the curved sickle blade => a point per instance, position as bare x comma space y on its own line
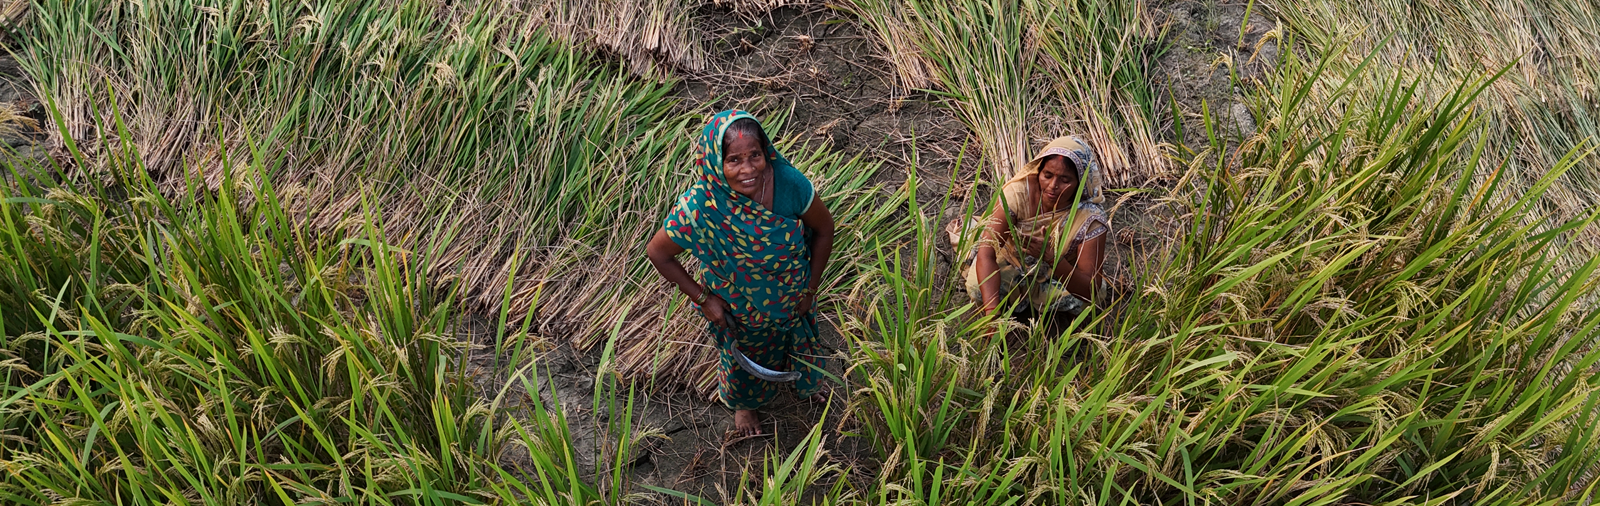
750, 366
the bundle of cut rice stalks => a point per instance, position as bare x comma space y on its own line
652, 36
1020, 72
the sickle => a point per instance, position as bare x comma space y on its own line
750, 366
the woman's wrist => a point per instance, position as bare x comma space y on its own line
699, 297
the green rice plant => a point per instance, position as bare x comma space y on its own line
1346, 315
918, 418
787, 480
227, 356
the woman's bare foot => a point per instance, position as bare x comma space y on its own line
746, 423
817, 398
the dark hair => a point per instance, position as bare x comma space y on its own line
746, 126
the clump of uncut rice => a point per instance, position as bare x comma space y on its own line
1344, 315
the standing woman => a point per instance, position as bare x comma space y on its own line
763, 239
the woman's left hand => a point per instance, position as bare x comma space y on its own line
806, 302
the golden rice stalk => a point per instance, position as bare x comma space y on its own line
910, 66
13, 121
12, 12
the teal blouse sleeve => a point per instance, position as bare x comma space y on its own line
792, 192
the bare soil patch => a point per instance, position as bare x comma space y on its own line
1204, 48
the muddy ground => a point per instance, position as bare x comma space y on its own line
826, 72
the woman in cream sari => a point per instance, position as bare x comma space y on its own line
1045, 239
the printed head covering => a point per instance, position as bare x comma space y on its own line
1074, 148
755, 260
1032, 227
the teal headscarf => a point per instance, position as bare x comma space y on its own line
756, 260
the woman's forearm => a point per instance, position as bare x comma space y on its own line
1077, 274
671, 269
1081, 283
988, 282
663, 255
1080, 275
820, 221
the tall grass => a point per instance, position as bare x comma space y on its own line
1347, 316
527, 148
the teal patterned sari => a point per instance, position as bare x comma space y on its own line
756, 260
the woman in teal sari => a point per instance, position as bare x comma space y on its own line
763, 239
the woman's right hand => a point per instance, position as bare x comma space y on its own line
717, 310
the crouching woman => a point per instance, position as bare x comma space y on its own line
763, 238
1044, 241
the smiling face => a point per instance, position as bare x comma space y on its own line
1058, 182
744, 164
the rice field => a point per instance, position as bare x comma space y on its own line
240, 275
